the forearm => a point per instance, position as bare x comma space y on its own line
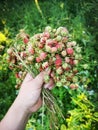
16, 118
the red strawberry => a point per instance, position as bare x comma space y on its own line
43, 55
40, 69
73, 86
70, 51
41, 45
17, 75
58, 62
38, 59
26, 40
31, 50
71, 62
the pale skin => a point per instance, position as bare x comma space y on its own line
27, 102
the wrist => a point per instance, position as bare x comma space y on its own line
20, 107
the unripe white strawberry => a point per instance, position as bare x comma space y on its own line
23, 54
83, 79
53, 49
78, 49
67, 59
63, 53
75, 79
64, 32
76, 56
54, 30
53, 59
65, 65
75, 70
58, 38
48, 29
64, 39
80, 56
10, 51
59, 70
67, 83
22, 47
69, 44
59, 84
48, 48
75, 62
63, 80
85, 66
73, 43
30, 58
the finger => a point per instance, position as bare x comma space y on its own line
37, 105
51, 87
50, 83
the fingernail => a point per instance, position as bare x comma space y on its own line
46, 86
51, 87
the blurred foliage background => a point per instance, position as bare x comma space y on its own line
81, 19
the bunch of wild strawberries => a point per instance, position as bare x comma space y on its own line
51, 49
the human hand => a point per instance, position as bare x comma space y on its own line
30, 92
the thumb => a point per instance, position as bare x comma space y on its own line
39, 79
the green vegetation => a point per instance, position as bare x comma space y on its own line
81, 19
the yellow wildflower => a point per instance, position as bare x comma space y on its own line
2, 37
82, 96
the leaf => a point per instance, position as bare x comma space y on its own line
96, 114
63, 127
